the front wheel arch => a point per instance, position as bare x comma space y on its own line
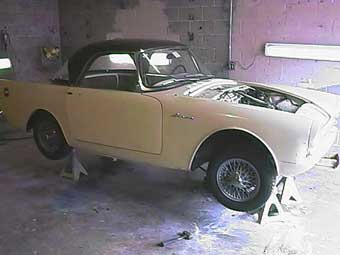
223, 140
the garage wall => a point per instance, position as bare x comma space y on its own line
289, 21
31, 25
204, 21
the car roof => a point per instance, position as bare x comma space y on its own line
83, 55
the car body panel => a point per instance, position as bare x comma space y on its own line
133, 121
26, 98
167, 127
180, 138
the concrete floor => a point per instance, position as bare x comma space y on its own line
127, 208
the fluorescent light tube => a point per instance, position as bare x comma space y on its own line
303, 51
5, 63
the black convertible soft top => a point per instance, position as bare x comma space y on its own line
83, 55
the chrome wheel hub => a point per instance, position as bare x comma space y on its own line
49, 138
238, 180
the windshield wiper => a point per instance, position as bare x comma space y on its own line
172, 81
187, 79
199, 76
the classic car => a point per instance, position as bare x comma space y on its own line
153, 101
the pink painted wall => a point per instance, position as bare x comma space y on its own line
287, 21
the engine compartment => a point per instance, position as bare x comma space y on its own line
244, 94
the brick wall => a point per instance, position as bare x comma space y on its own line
208, 21
31, 24
202, 24
293, 21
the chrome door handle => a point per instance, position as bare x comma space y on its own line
177, 115
181, 116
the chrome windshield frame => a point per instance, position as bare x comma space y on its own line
144, 87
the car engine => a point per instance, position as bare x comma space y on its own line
244, 94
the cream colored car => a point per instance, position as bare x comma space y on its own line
153, 101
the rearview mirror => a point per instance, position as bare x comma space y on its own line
170, 56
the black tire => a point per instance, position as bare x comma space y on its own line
50, 139
255, 161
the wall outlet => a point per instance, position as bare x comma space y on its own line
231, 65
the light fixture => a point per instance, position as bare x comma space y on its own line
303, 51
5, 63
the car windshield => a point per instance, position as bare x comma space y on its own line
165, 68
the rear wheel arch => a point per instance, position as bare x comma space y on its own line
223, 140
39, 114
48, 135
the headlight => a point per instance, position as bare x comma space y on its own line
314, 135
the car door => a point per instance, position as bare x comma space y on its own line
104, 109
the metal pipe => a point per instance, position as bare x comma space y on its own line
231, 23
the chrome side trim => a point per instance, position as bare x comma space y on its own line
183, 117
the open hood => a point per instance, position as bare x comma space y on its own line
329, 102
282, 98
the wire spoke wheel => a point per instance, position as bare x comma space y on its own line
238, 180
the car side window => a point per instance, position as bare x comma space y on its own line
111, 72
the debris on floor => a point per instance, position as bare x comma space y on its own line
185, 235
117, 211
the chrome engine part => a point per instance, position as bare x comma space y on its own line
244, 94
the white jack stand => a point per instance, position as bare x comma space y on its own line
289, 194
73, 167
273, 204
273, 210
